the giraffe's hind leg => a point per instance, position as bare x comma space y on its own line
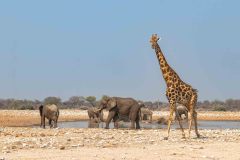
172, 109
180, 123
193, 115
195, 122
190, 123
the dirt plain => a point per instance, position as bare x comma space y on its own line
19, 142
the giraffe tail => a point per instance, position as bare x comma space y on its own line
195, 90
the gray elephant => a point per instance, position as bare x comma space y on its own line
94, 123
95, 113
162, 120
182, 111
51, 112
121, 107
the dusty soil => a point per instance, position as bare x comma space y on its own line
36, 143
71, 143
16, 118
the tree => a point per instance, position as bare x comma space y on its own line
75, 101
91, 99
52, 100
104, 96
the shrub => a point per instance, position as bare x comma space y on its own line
219, 108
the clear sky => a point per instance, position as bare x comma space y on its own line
80, 48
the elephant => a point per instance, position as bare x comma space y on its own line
121, 107
95, 113
146, 114
51, 112
182, 111
162, 120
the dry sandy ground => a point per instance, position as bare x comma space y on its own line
84, 144
31, 117
72, 143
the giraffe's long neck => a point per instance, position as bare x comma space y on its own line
168, 73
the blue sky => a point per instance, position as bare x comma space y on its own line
67, 48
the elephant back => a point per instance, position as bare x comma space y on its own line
181, 109
51, 111
93, 110
125, 101
52, 108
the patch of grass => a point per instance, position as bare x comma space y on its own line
220, 108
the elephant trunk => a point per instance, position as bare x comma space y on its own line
41, 110
101, 107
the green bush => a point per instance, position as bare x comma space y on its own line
52, 100
219, 108
26, 108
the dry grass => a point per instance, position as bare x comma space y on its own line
20, 118
31, 117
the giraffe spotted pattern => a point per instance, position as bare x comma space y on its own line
177, 90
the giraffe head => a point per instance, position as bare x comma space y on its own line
154, 40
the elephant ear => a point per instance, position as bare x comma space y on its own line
111, 104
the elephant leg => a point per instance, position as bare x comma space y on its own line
54, 125
116, 120
43, 121
55, 122
111, 114
180, 122
132, 124
137, 123
134, 114
50, 123
132, 119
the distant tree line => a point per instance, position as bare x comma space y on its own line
73, 102
80, 102
216, 105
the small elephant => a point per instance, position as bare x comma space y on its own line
162, 120
182, 112
121, 107
146, 114
95, 113
94, 123
51, 112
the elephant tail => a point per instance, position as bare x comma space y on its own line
41, 110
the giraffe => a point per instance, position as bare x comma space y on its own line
177, 91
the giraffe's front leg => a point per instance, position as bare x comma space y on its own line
172, 108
